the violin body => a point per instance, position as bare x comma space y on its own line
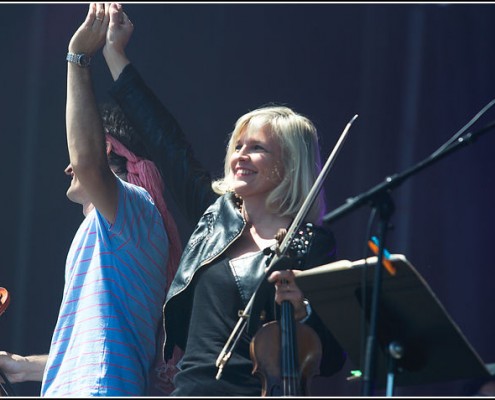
286, 355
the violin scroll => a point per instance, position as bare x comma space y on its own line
4, 300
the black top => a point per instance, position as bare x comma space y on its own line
210, 327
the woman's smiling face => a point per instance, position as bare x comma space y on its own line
256, 163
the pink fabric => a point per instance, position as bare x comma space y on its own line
143, 172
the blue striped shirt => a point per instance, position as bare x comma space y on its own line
115, 282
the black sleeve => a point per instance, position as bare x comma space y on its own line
323, 251
184, 176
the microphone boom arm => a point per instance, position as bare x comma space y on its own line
395, 180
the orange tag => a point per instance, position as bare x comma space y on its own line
386, 263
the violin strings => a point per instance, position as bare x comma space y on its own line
289, 353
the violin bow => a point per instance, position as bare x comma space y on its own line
234, 337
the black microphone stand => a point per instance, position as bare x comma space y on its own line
379, 197
385, 207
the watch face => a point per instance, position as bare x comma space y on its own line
84, 60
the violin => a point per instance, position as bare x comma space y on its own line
6, 388
286, 354
4, 300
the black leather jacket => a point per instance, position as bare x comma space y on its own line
219, 221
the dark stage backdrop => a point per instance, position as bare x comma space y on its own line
414, 73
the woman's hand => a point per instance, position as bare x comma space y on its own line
286, 289
118, 35
119, 31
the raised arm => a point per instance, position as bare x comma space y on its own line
118, 35
85, 136
187, 180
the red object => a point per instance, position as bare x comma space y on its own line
4, 300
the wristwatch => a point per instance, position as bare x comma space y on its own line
81, 59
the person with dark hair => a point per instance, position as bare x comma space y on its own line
271, 164
122, 258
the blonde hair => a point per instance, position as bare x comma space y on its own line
300, 155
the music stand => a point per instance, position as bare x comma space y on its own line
434, 348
